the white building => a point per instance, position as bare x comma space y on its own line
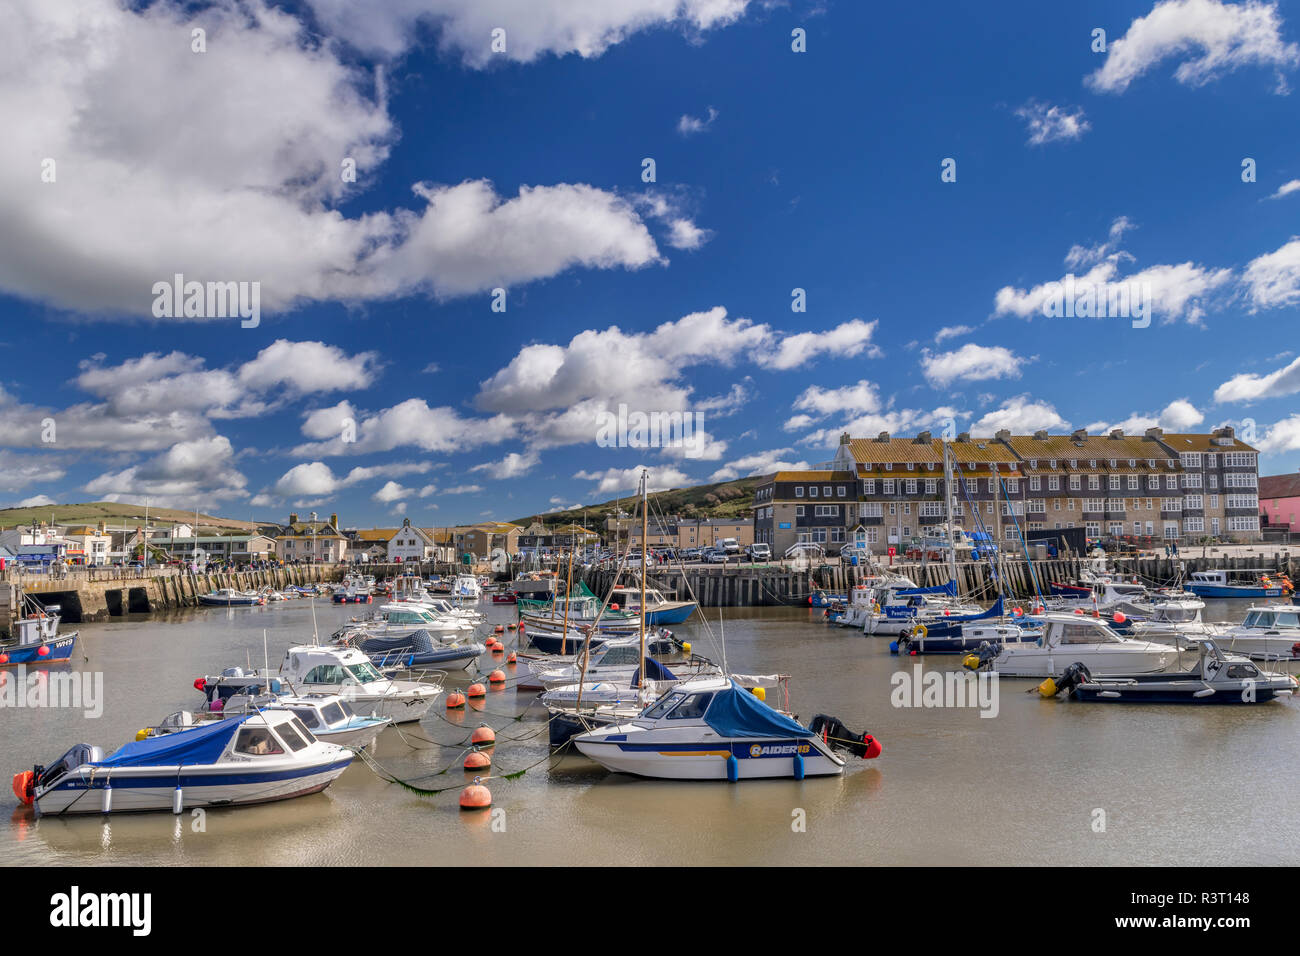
410, 543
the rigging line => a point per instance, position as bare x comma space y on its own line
1024, 546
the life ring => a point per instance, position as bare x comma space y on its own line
875, 607
919, 630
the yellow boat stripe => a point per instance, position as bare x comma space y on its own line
695, 753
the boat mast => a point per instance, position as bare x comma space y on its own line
645, 528
947, 508
568, 590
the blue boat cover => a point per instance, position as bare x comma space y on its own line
949, 588
736, 712
202, 745
654, 671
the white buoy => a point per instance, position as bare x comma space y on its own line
108, 799
178, 800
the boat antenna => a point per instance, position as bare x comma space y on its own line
645, 546
315, 633
722, 638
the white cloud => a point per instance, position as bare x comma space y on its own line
1020, 415
37, 501
133, 204
391, 492
1273, 279
951, 332
1048, 124
970, 363
511, 466
19, 471
623, 480
1286, 189
862, 397
690, 125
846, 340
307, 367
759, 463
409, 423
1179, 415
316, 480
1282, 436
532, 29
1080, 256
190, 472
1249, 387
1225, 37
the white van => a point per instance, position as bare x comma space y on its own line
730, 545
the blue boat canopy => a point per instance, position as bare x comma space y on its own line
202, 745
653, 671
735, 712
949, 588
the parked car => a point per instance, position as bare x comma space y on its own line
759, 552
715, 556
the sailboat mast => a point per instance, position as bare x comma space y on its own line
568, 590
645, 529
947, 508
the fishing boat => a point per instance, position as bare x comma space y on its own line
1240, 583
1064, 639
712, 729
466, 588
252, 758
229, 597
1219, 677
328, 716
36, 639
659, 610
402, 620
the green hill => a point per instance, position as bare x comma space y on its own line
723, 499
115, 513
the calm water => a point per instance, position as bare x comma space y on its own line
1196, 785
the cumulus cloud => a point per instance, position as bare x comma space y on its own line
1179, 415
1211, 37
623, 480
133, 205
1286, 189
1281, 437
1249, 387
1021, 415
19, 471
1273, 279
511, 466
1049, 124
201, 470
759, 463
848, 339
690, 125
970, 363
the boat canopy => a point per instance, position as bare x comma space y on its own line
735, 712
202, 745
949, 588
653, 671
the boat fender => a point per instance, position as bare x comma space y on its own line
733, 768
25, 787
971, 662
1048, 688
893, 647
178, 800
798, 766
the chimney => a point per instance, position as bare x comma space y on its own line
1225, 432
844, 438
1041, 434
883, 436
963, 437
923, 438
102, 527
1155, 433
334, 520
1079, 434
293, 517
1002, 434
1117, 433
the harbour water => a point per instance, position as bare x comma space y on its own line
1045, 781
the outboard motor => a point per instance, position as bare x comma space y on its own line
983, 657
1074, 675
839, 737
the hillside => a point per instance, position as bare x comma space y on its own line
724, 499
115, 513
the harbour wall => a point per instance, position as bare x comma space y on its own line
774, 586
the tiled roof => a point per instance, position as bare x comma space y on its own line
1181, 443
1279, 486
812, 476
894, 450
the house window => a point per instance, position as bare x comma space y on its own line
840, 491
1074, 482
1053, 483
869, 486
1132, 482
911, 486
798, 491
888, 486
1035, 483
826, 492
812, 492
798, 511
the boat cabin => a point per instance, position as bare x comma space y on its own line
1273, 618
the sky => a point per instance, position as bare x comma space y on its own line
468, 231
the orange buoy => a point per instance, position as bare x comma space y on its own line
475, 797
476, 690
455, 700
511, 626
490, 643
512, 659
475, 760
1078, 610
4, 658
498, 648
23, 786
499, 629
43, 651
497, 677
483, 736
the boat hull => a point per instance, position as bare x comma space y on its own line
57, 650
759, 758
138, 789
1233, 591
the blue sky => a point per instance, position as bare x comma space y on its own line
522, 169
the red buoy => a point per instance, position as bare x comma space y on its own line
497, 677
475, 760
455, 700
4, 658
483, 736
1078, 610
1119, 617
475, 797
873, 748
498, 648
499, 629
43, 651
512, 659
476, 690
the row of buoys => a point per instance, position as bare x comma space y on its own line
476, 796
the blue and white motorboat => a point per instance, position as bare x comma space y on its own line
1240, 583
229, 597
328, 716
252, 758
417, 649
1219, 677
968, 636
712, 729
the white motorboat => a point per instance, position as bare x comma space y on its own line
252, 758
1069, 638
466, 588
403, 620
328, 716
229, 597
712, 729
1270, 632
348, 672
